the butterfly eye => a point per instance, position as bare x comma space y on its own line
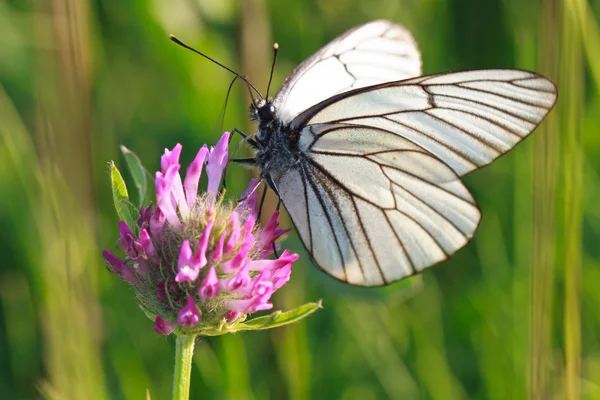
266, 113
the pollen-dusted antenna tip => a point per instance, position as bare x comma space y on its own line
275, 51
175, 39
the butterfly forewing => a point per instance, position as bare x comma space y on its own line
370, 54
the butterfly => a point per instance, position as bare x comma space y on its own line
366, 155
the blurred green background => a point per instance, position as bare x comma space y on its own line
516, 314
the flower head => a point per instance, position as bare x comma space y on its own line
196, 261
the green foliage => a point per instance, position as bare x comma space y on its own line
277, 318
124, 208
139, 174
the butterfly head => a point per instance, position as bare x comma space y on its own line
262, 111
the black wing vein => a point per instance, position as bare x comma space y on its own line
326, 213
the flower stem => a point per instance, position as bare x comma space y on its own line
183, 366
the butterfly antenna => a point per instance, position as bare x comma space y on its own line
275, 51
186, 46
227, 101
252, 96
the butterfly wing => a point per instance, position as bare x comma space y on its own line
376, 195
377, 52
373, 218
466, 119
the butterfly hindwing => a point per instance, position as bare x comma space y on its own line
466, 119
375, 218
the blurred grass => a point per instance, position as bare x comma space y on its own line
514, 315
573, 79
542, 376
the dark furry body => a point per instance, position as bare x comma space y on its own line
277, 146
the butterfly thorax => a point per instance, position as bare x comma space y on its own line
277, 146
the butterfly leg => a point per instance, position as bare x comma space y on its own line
275, 248
262, 202
273, 186
245, 138
236, 130
260, 207
244, 198
248, 161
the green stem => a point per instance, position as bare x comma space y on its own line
183, 366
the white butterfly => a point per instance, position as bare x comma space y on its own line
367, 157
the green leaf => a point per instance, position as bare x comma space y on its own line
121, 197
273, 320
138, 172
277, 318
